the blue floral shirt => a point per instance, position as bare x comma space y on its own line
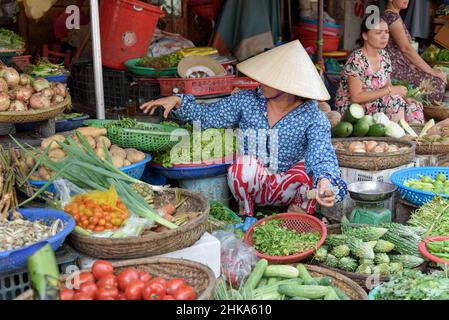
303, 134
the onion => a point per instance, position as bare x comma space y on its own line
60, 89
23, 93
11, 76
18, 105
41, 84
3, 85
48, 93
5, 102
38, 101
356, 145
57, 99
24, 79
370, 145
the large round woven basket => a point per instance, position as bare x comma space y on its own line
151, 243
374, 161
35, 115
432, 148
197, 275
437, 113
342, 282
362, 280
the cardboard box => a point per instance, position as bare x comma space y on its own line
442, 37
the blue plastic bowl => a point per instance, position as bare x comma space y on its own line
135, 170
189, 173
61, 125
58, 78
373, 293
412, 195
16, 259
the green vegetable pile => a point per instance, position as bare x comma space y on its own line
431, 53
440, 185
273, 239
439, 249
45, 68
220, 212
385, 249
433, 217
414, 285
10, 40
166, 61
418, 93
205, 140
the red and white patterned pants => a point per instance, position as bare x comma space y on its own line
251, 183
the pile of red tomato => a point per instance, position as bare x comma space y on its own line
129, 284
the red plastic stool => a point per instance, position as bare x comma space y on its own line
53, 55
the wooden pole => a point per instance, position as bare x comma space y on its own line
290, 27
320, 31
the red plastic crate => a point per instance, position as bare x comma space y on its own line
245, 83
196, 87
21, 61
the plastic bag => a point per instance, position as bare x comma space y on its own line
237, 258
134, 226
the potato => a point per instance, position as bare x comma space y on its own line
91, 131
126, 163
52, 142
91, 141
57, 155
115, 150
133, 155
117, 161
44, 174
101, 141
100, 153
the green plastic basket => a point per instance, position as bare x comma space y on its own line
157, 138
149, 72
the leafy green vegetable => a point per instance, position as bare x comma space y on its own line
45, 68
166, 61
431, 53
220, 212
443, 55
432, 216
274, 239
10, 40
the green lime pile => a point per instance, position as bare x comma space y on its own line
438, 186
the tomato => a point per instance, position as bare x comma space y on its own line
107, 294
168, 297
174, 284
134, 290
86, 277
159, 280
126, 277
88, 289
108, 281
121, 296
102, 268
153, 291
144, 276
66, 294
185, 293
81, 296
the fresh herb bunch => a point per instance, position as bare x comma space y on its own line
414, 285
45, 68
166, 61
433, 216
273, 239
418, 93
220, 212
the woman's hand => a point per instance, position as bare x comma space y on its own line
399, 90
167, 103
441, 75
324, 196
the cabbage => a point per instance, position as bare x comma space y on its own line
381, 118
394, 130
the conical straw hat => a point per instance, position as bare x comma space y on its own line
287, 68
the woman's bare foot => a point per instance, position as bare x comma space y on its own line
295, 209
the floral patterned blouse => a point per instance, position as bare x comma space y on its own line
304, 133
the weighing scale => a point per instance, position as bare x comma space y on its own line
370, 198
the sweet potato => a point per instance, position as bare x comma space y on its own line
91, 131
133, 155
52, 141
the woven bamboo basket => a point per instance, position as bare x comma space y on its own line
150, 243
197, 275
362, 280
342, 282
374, 161
438, 113
35, 115
432, 148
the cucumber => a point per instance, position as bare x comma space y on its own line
255, 276
354, 113
272, 280
305, 291
332, 295
340, 293
274, 295
305, 275
299, 298
325, 281
262, 283
275, 286
281, 271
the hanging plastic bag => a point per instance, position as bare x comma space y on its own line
237, 258
129, 225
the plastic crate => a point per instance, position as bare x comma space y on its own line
6, 57
197, 87
15, 283
21, 61
142, 91
245, 83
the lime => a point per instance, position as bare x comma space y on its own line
427, 179
441, 177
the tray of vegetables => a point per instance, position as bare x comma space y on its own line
286, 238
163, 66
364, 252
10, 41
421, 185
144, 279
50, 71
436, 249
291, 282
